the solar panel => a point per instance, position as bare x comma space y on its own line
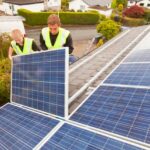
124, 111
21, 129
131, 74
142, 55
69, 137
39, 81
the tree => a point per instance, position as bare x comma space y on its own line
114, 4
4, 45
108, 28
134, 12
64, 4
120, 7
123, 2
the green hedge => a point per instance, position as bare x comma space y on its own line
5, 69
147, 15
74, 18
133, 21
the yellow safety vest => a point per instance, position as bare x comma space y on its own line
60, 40
27, 47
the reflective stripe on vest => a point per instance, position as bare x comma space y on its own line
27, 48
60, 40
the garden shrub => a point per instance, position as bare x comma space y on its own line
5, 70
100, 42
134, 12
108, 28
133, 21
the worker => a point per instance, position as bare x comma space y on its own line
21, 45
53, 36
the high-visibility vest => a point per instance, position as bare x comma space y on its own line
60, 40
27, 47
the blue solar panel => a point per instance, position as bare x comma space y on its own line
124, 111
39, 81
69, 137
142, 55
21, 129
131, 74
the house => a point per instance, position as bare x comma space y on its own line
8, 23
143, 3
11, 6
86, 4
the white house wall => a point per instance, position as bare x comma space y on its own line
54, 3
8, 8
1, 7
8, 26
34, 7
78, 5
107, 13
144, 3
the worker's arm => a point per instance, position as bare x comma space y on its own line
42, 43
69, 43
10, 52
35, 47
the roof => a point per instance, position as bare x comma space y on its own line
134, 0
23, 2
11, 18
97, 2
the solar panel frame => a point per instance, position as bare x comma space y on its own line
102, 131
104, 84
70, 115
65, 79
101, 84
49, 124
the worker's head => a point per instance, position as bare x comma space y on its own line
53, 23
17, 36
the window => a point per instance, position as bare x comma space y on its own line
9, 6
141, 4
148, 5
82, 7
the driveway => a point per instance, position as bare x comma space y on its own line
82, 37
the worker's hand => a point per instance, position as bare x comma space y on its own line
10, 57
10, 52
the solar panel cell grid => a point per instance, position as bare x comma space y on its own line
39, 81
73, 138
140, 55
124, 111
131, 74
21, 129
